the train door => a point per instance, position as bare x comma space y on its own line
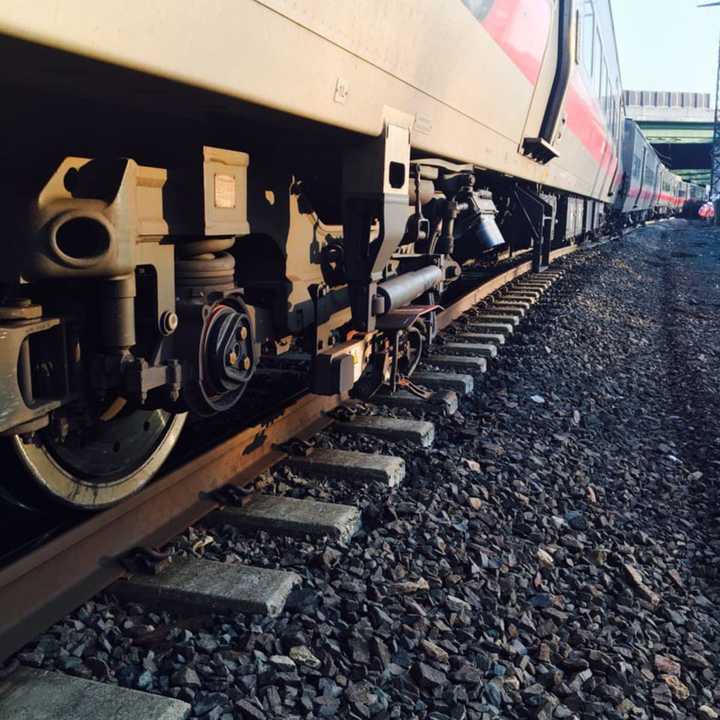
546, 120
657, 189
643, 168
630, 166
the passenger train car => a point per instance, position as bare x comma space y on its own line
649, 190
194, 188
693, 199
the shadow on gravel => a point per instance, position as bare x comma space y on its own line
691, 333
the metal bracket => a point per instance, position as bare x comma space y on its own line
539, 223
418, 390
347, 413
229, 495
20, 401
296, 447
418, 227
375, 187
397, 321
146, 561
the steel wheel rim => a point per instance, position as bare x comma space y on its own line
52, 474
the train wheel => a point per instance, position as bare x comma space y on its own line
96, 471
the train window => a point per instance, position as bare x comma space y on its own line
599, 80
587, 37
578, 42
606, 97
614, 123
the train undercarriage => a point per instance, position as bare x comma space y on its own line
190, 197
139, 294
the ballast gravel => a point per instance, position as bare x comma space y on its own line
554, 554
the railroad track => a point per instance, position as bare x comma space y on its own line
56, 577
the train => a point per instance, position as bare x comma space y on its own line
649, 189
191, 191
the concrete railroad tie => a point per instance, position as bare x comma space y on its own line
539, 283
538, 287
469, 349
351, 465
546, 275
491, 327
477, 364
457, 382
445, 401
194, 585
497, 317
418, 431
485, 338
278, 515
497, 313
526, 296
30, 694
513, 305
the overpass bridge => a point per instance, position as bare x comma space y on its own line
680, 127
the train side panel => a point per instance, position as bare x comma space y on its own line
354, 65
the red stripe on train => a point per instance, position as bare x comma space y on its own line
587, 123
521, 29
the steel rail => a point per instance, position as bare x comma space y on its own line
53, 580
57, 577
453, 311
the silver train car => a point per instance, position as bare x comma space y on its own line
649, 190
192, 190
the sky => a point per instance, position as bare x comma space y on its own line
667, 44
